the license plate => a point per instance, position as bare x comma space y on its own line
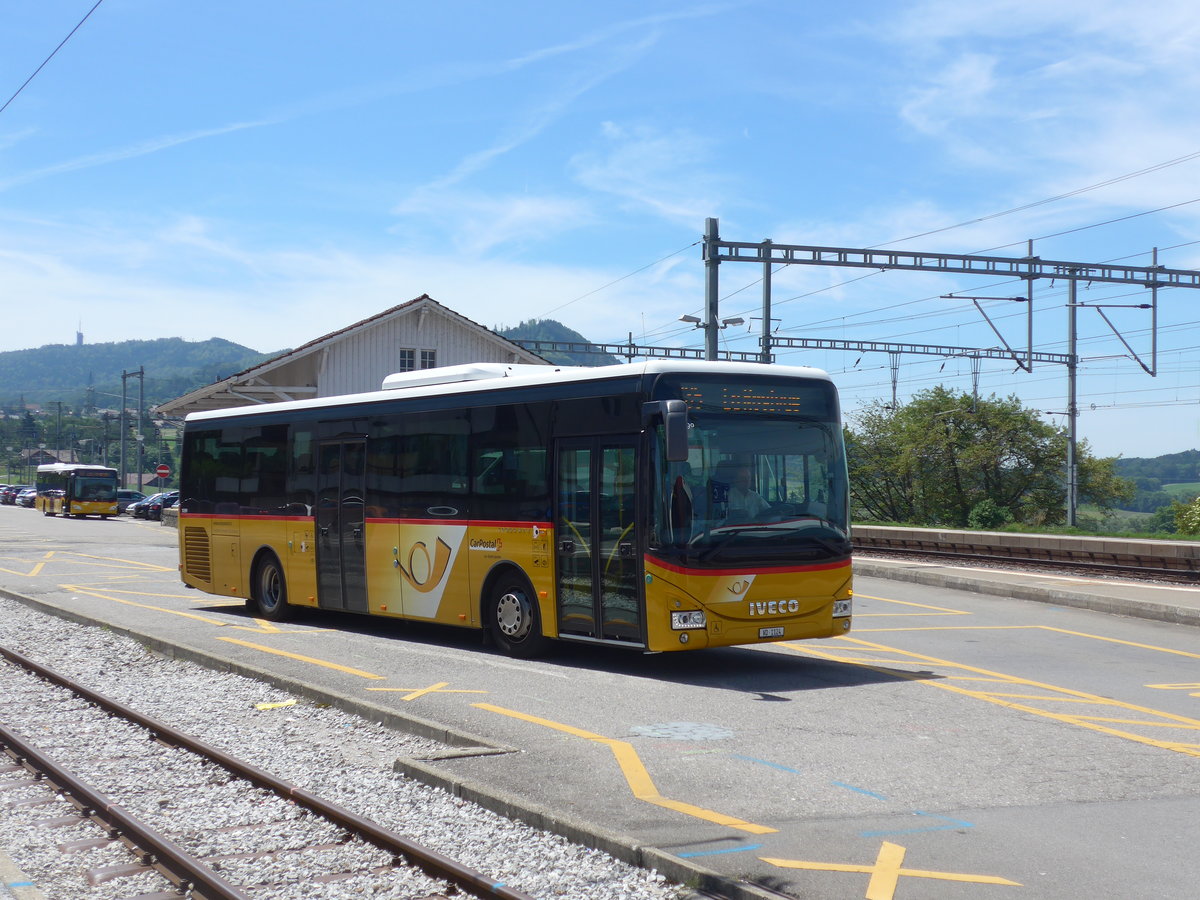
775, 631
841, 608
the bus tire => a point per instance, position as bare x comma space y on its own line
269, 590
513, 618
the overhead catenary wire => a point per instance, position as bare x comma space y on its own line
50, 57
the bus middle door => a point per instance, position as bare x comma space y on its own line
340, 525
599, 569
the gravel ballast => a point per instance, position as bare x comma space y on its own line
343, 758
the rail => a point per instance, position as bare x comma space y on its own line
175, 863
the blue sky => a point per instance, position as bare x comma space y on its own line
268, 172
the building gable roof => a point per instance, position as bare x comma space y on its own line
253, 385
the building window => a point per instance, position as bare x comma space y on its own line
407, 361
428, 359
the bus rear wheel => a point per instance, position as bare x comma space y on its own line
513, 617
270, 590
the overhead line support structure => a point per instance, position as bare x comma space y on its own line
1028, 268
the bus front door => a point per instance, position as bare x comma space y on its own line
599, 568
339, 513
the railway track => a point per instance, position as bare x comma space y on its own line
215, 828
1171, 561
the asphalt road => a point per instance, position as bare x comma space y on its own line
955, 745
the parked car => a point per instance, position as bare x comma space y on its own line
138, 509
125, 498
8, 496
27, 497
160, 502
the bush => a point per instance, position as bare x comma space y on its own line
1187, 517
988, 515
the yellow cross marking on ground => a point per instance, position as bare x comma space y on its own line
266, 627
886, 873
414, 693
37, 568
635, 772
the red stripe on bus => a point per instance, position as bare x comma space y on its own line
761, 570
374, 521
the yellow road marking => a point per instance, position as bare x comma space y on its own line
266, 627
1177, 687
1061, 694
130, 562
78, 589
308, 659
639, 780
49, 555
37, 568
414, 693
1140, 722
937, 610
886, 873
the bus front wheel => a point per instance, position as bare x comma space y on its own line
513, 617
270, 590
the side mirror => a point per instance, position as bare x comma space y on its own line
675, 426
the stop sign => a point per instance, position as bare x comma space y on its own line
163, 471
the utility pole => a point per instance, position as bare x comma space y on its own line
711, 289
121, 429
766, 312
141, 438
140, 374
1072, 405
58, 434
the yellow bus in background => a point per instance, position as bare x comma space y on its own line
657, 506
76, 490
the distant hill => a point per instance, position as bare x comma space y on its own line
1172, 468
64, 372
1161, 480
550, 330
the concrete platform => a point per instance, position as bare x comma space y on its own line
1179, 604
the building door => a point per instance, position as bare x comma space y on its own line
599, 568
340, 524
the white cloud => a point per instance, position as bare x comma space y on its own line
479, 223
186, 278
650, 169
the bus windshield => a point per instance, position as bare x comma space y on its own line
764, 482
95, 487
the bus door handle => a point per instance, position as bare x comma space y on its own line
625, 549
566, 546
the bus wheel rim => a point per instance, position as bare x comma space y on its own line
512, 615
270, 587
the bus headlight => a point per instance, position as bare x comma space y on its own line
690, 619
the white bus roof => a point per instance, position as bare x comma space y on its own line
70, 467
450, 380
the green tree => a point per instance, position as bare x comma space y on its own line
935, 459
1187, 517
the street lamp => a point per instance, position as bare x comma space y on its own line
710, 331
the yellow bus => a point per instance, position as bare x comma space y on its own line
76, 490
658, 506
